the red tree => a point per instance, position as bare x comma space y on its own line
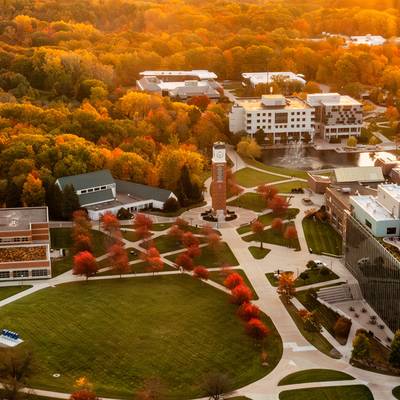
84, 264
256, 329
201, 102
277, 224
248, 311
214, 241
83, 394
290, 233
257, 228
267, 192
110, 223
142, 225
175, 232
201, 272
184, 261
119, 259
152, 257
181, 223
82, 242
278, 205
81, 232
193, 251
233, 280
188, 239
241, 294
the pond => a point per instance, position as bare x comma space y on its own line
311, 159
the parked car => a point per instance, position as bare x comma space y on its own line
319, 264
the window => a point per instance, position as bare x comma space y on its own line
83, 191
281, 118
103, 187
368, 224
96, 189
90, 190
39, 272
21, 274
4, 274
391, 231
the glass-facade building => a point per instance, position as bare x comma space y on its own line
376, 270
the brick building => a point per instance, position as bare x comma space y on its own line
24, 243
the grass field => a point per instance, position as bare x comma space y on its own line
286, 187
251, 201
136, 268
220, 276
166, 243
61, 238
267, 219
258, 253
321, 237
315, 375
314, 276
248, 177
297, 173
132, 236
352, 392
119, 332
211, 259
11, 291
314, 338
274, 237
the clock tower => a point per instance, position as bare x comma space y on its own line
218, 184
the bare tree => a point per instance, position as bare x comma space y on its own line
216, 384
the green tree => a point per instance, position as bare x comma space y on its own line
70, 203
361, 346
394, 357
352, 141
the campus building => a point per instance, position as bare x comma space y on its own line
255, 78
369, 40
180, 84
379, 214
336, 116
98, 192
281, 119
24, 243
376, 269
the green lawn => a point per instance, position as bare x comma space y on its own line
11, 291
315, 375
61, 238
321, 237
396, 392
249, 177
251, 201
136, 268
161, 226
166, 243
132, 236
274, 237
267, 219
220, 276
314, 338
120, 332
314, 276
286, 187
258, 253
297, 173
210, 259
352, 392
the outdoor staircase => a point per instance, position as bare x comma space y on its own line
337, 294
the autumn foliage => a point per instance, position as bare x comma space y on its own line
257, 329
83, 394
84, 264
241, 294
233, 280
248, 311
201, 273
119, 259
154, 260
184, 261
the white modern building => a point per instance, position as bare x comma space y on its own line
369, 40
336, 116
379, 214
282, 119
98, 192
256, 78
180, 84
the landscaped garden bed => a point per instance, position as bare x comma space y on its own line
258, 253
351, 392
28, 253
314, 375
313, 276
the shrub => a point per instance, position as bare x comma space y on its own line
248, 311
361, 346
324, 271
256, 329
123, 213
311, 264
201, 273
342, 327
241, 294
233, 280
304, 275
171, 205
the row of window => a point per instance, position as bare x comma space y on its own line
389, 231
35, 273
14, 239
96, 189
342, 130
269, 128
264, 114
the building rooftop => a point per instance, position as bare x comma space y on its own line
88, 180
95, 197
343, 192
331, 99
373, 208
358, 174
252, 104
12, 219
199, 73
392, 189
142, 192
267, 77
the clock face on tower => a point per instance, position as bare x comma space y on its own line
219, 155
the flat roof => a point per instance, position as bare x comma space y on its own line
373, 208
266, 77
343, 192
251, 104
200, 73
358, 174
88, 180
343, 101
392, 189
12, 219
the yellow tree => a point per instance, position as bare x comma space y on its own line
33, 193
